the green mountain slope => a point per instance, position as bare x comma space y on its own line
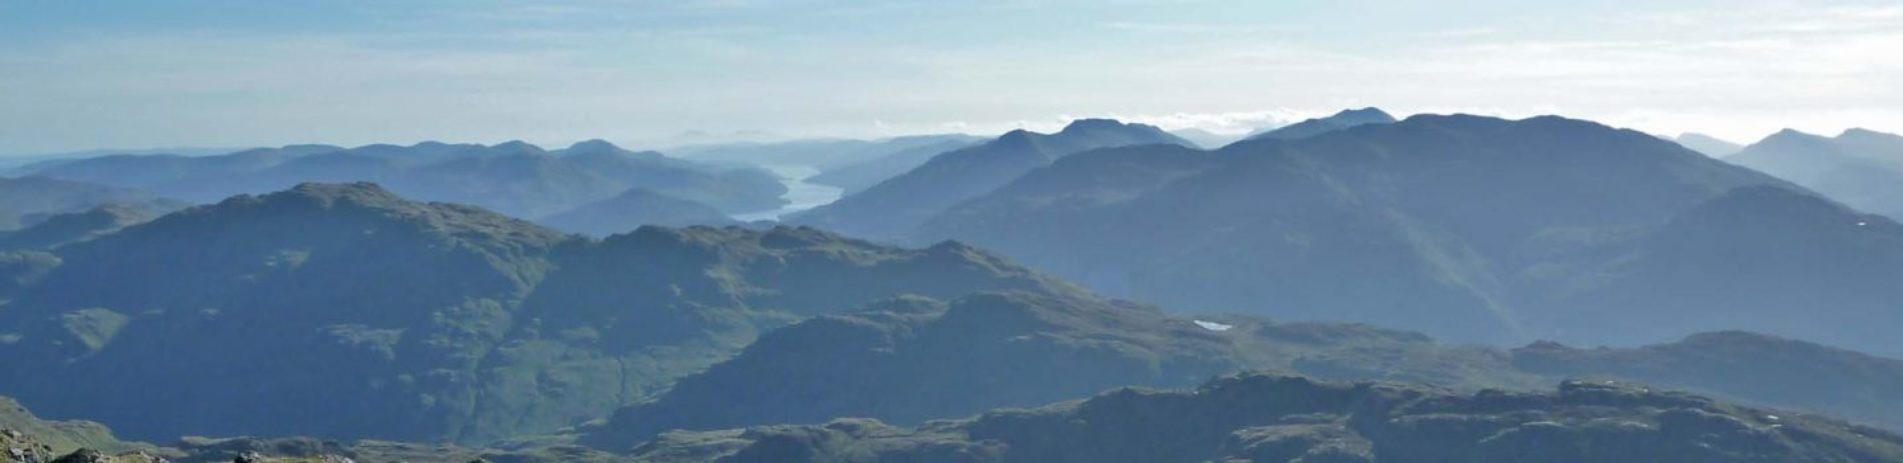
345, 311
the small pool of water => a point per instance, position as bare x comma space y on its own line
800, 195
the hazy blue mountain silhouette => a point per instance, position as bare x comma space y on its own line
1347, 118
514, 178
1468, 228
891, 208
1709, 145
1861, 168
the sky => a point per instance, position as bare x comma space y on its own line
78, 75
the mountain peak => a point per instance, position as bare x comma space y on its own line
1368, 115
1859, 133
518, 147
1790, 133
1347, 118
1094, 124
595, 145
366, 193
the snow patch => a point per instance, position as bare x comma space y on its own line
1213, 326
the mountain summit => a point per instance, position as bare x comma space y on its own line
1347, 118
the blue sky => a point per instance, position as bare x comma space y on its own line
125, 74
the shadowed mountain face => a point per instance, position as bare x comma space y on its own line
26, 201
1860, 168
1258, 417
1761, 258
514, 178
1468, 228
1345, 119
346, 311
895, 206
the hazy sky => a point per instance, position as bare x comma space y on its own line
124, 74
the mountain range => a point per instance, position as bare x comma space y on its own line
1468, 228
1341, 289
30, 200
1861, 168
346, 311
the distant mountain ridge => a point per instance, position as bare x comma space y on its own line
858, 176
633, 209
31, 199
1709, 145
1347, 118
366, 315
1861, 168
514, 178
891, 208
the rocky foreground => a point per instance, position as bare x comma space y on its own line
1278, 418
1251, 417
